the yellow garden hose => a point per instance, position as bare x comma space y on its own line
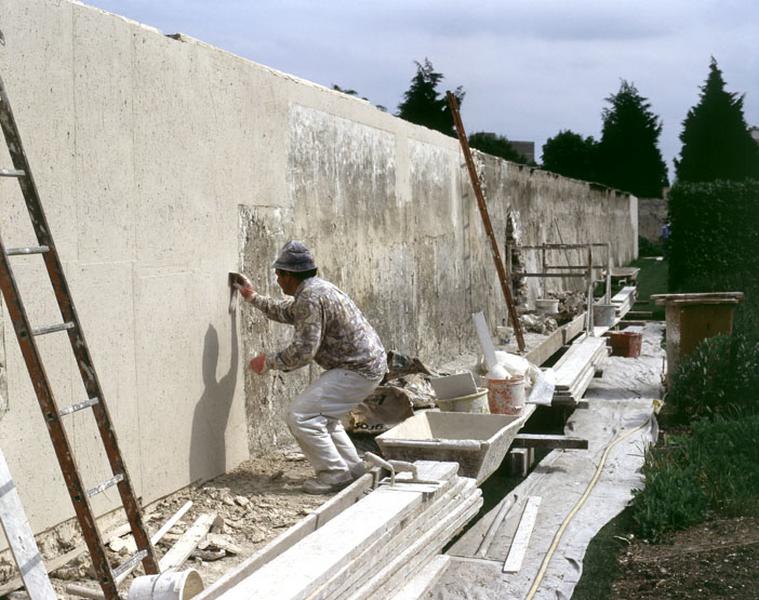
575, 508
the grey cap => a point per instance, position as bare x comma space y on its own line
294, 257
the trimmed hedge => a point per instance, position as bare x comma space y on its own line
714, 235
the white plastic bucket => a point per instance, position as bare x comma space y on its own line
506, 396
471, 403
172, 585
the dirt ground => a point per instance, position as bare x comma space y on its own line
715, 560
256, 502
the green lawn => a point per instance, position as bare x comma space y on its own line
652, 279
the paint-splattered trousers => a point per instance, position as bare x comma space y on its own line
314, 420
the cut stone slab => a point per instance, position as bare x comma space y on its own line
299, 570
424, 579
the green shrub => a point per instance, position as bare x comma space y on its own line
672, 498
721, 377
649, 248
714, 469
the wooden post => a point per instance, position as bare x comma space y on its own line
454, 105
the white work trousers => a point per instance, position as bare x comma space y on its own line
314, 420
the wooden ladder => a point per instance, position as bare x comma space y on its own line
80, 496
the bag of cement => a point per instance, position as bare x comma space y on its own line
507, 365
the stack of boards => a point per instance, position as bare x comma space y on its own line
575, 370
375, 546
624, 300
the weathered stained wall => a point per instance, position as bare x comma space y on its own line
652, 215
165, 163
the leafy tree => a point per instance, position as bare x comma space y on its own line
717, 143
424, 105
497, 145
567, 153
628, 153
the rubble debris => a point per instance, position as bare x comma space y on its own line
399, 365
571, 304
539, 323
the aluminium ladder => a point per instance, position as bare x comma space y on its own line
80, 495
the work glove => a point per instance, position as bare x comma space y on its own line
246, 288
258, 364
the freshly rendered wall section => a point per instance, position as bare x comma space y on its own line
163, 164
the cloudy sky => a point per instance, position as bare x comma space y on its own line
530, 68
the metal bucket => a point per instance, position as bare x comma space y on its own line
506, 396
172, 585
471, 403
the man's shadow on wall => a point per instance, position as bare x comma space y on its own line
209, 423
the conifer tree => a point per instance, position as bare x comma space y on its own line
424, 105
717, 143
628, 154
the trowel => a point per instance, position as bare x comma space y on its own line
235, 282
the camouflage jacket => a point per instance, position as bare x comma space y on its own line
329, 328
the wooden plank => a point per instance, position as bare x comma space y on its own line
579, 355
298, 571
540, 440
547, 348
624, 295
394, 541
518, 549
181, 551
573, 328
51, 566
20, 538
158, 535
387, 579
347, 497
288, 538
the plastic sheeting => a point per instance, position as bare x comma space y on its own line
620, 406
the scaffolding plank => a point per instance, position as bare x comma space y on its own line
21, 539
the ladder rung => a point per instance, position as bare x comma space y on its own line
11, 173
77, 407
105, 485
29, 250
53, 328
129, 564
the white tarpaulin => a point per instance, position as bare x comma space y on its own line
580, 490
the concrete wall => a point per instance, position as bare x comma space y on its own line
652, 215
165, 163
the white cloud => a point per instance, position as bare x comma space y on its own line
530, 67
